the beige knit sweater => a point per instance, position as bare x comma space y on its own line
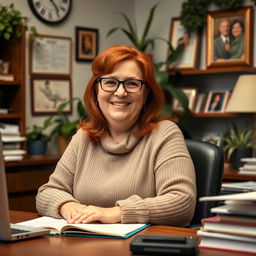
151, 178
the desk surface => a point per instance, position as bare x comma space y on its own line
81, 246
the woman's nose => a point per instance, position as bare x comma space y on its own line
120, 90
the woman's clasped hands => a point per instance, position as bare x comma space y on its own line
76, 213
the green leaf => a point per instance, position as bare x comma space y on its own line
149, 22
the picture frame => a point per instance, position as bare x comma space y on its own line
191, 94
229, 40
48, 92
189, 59
217, 101
50, 55
87, 41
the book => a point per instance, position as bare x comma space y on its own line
14, 138
235, 196
199, 102
7, 77
249, 166
236, 209
249, 160
228, 242
11, 152
216, 224
61, 227
246, 171
9, 129
13, 158
237, 219
244, 186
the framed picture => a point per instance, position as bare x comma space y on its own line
230, 38
190, 55
47, 93
86, 44
217, 101
50, 55
191, 95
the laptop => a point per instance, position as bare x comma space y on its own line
12, 232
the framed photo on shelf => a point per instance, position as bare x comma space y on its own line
230, 38
217, 101
50, 55
191, 95
189, 58
48, 93
86, 44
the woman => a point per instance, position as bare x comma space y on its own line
237, 40
125, 164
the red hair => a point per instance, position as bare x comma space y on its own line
104, 64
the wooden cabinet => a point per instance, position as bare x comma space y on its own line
24, 178
13, 92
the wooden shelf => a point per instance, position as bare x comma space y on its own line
218, 70
204, 114
38, 160
10, 116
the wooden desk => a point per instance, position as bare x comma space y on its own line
81, 246
231, 174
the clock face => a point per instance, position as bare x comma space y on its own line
51, 11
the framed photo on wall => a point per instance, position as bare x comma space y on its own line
191, 95
50, 55
190, 56
48, 93
86, 44
230, 38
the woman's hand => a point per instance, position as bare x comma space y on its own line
70, 209
94, 213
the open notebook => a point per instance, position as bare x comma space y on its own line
12, 232
61, 227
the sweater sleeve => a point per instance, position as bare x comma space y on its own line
175, 199
59, 188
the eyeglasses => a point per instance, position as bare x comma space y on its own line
112, 84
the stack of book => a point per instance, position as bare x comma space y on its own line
238, 187
11, 140
234, 227
249, 165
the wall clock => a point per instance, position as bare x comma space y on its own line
51, 11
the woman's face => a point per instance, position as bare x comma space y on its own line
121, 108
236, 30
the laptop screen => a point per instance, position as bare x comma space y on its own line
4, 206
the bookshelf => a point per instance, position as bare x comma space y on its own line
13, 92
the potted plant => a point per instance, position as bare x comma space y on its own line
66, 128
37, 138
237, 143
131, 32
162, 75
12, 21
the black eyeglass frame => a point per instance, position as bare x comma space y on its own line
142, 82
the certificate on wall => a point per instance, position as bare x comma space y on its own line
50, 55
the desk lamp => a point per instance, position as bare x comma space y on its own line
243, 99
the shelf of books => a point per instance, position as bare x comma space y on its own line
234, 226
12, 97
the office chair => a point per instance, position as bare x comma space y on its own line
208, 160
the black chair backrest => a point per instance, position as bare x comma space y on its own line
208, 160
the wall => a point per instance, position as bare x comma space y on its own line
101, 14
166, 10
